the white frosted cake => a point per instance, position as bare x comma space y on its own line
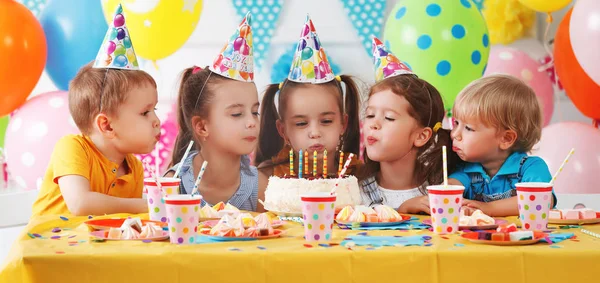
283, 194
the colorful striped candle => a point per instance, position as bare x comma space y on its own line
306, 162
341, 160
315, 162
291, 162
325, 164
300, 164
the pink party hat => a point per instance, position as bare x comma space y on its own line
310, 64
386, 63
117, 50
236, 60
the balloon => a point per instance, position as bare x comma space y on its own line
307, 53
3, 125
307, 67
580, 173
302, 44
158, 28
22, 54
438, 40
585, 36
506, 60
580, 88
238, 43
121, 61
168, 134
74, 32
545, 6
32, 132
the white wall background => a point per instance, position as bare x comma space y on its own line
336, 33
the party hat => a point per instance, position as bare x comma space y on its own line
310, 64
117, 50
386, 63
236, 60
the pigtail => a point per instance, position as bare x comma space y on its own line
269, 140
352, 106
185, 134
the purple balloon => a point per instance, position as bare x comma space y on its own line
317, 43
382, 52
301, 44
237, 44
119, 20
110, 48
120, 33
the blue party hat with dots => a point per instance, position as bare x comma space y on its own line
117, 51
387, 64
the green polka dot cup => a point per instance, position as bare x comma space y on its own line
154, 196
317, 211
445, 203
182, 216
534, 201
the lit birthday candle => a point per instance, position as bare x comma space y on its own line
341, 162
315, 163
306, 162
325, 164
300, 164
291, 162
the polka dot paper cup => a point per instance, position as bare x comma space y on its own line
156, 203
318, 210
534, 200
445, 203
182, 216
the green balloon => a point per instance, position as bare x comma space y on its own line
445, 42
307, 53
3, 125
120, 50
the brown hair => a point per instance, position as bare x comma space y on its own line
505, 103
427, 107
195, 95
269, 140
95, 88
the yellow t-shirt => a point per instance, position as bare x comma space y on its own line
77, 155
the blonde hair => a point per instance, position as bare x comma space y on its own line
505, 103
93, 88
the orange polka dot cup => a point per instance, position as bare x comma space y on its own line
317, 211
182, 216
534, 200
445, 203
156, 203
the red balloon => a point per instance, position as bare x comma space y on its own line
582, 90
22, 54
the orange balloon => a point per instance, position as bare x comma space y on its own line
582, 90
22, 54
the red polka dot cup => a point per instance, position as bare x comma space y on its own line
182, 216
156, 203
317, 211
445, 203
534, 201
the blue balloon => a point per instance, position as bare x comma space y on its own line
120, 61
74, 32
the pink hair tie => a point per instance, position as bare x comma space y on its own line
196, 69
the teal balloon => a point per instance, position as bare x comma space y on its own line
120, 50
3, 125
307, 53
437, 39
113, 33
127, 42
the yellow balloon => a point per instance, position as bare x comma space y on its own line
546, 6
158, 28
307, 67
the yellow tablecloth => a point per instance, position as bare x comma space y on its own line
287, 260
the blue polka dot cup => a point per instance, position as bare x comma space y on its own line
317, 211
182, 216
445, 203
154, 196
534, 200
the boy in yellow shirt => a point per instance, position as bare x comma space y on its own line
112, 103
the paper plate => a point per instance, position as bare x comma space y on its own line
375, 224
482, 227
276, 234
103, 235
106, 224
212, 223
500, 243
576, 221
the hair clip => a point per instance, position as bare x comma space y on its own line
196, 69
437, 126
338, 78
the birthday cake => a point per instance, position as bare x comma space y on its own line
283, 194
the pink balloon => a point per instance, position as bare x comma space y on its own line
584, 30
31, 134
110, 47
168, 134
506, 60
580, 173
238, 43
